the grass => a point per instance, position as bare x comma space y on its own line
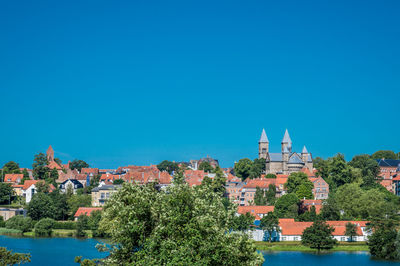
7, 231
297, 246
61, 233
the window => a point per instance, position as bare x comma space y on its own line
296, 238
284, 238
264, 150
342, 239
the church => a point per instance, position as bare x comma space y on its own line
286, 161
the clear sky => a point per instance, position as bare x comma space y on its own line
135, 82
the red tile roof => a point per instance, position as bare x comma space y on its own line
94, 171
255, 210
13, 178
53, 165
86, 211
260, 182
29, 183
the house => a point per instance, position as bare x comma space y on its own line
257, 211
250, 187
17, 189
101, 194
8, 213
72, 184
389, 169
14, 179
306, 204
88, 171
321, 188
30, 188
85, 211
233, 188
109, 179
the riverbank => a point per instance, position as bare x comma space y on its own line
55, 233
297, 246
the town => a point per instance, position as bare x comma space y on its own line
294, 187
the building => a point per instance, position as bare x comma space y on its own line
257, 211
307, 204
101, 194
286, 161
233, 188
30, 188
85, 211
321, 188
194, 164
8, 213
389, 169
14, 179
249, 189
72, 184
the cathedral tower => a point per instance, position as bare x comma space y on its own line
263, 145
286, 142
50, 154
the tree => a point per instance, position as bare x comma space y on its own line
242, 168
2, 222
294, 182
76, 201
181, 225
11, 168
53, 176
9, 258
206, 167
19, 222
369, 169
41, 206
118, 182
304, 192
93, 223
168, 166
42, 187
40, 169
287, 206
60, 205
82, 225
6, 192
270, 223
44, 227
243, 222
309, 216
270, 194
351, 230
257, 168
319, 236
322, 167
26, 176
330, 210
78, 164
270, 176
219, 181
259, 198
384, 155
383, 241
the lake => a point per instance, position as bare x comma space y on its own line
62, 251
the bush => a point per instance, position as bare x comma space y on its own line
65, 225
2, 222
19, 222
44, 227
82, 225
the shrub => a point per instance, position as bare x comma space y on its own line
2, 222
19, 222
65, 225
44, 227
82, 225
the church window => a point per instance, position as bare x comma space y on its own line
264, 150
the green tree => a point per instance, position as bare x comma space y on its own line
6, 192
9, 258
206, 167
270, 176
41, 206
40, 169
118, 182
270, 224
257, 168
259, 198
243, 222
94, 222
330, 210
60, 205
287, 206
11, 168
82, 225
384, 155
168, 166
242, 168
309, 216
294, 182
351, 230
219, 181
304, 192
322, 167
78, 164
19, 222
53, 176
178, 226
76, 201
382, 243
2, 222
42, 187
319, 236
44, 227
270, 194
26, 176
369, 169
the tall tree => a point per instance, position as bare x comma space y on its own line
351, 230
181, 225
384, 155
318, 236
259, 198
168, 166
369, 169
270, 194
242, 168
243, 222
294, 182
219, 181
9, 258
78, 164
6, 193
270, 223
304, 192
382, 243
257, 168
11, 168
340, 172
41, 206
40, 169
287, 206
206, 167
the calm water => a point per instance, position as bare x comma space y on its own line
62, 251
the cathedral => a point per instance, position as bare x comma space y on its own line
286, 161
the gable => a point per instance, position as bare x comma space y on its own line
295, 159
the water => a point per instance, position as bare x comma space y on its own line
62, 251
52, 251
289, 258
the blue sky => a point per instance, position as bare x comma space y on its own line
135, 82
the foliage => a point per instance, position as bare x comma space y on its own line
287, 206
330, 210
206, 167
9, 258
76, 201
44, 227
41, 206
82, 225
383, 243
42, 187
270, 176
243, 222
181, 225
319, 236
26, 176
78, 164
19, 222
39, 166
294, 182
242, 168
384, 155
2, 222
6, 192
304, 192
11, 168
93, 223
257, 168
270, 194
118, 181
60, 204
270, 223
219, 181
53, 176
168, 166
309, 216
369, 170
351, 230
85, 262
70, 225
259, 198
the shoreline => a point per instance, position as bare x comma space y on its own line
297, 246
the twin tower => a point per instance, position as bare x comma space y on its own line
285, 162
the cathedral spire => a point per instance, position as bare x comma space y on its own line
264, 137
286, 138
304, 149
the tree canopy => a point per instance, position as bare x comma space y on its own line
168, 166
287, 206
78, 164
11, 168
384, 154
39, 166
318, 236
206, 167
270, 224
9, 258
384, 243
299, 184
6, 192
